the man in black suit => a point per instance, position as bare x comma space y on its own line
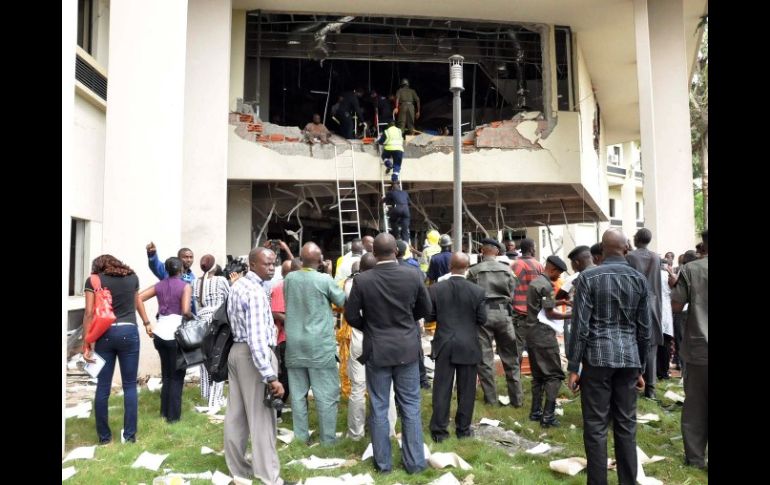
384, 303
458, 307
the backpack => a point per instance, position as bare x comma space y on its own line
103, 314
216, 344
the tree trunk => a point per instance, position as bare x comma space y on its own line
704, 160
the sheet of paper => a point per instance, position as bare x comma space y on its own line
346, 479
285, 435
67, 472
93, 368
241, 481
504, 400
646, 418
205, 450
490, 422
445, 459
154, 383
569, 466
673, 396
315, 463
446, 479
149, 460
81, 453
540, 448
558, 326
219, 478
80, 410
193, 476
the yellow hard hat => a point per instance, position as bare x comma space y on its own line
433, 236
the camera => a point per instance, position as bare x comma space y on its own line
272, 401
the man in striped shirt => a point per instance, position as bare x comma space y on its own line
526, 269
251, 366
611, 336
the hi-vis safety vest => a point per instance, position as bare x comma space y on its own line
394, 141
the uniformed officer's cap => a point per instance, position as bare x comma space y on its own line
557, 262
488, 241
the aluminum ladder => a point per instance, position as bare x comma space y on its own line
347, 194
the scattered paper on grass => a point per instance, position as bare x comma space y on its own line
646, 418
468, 480
569, 466
446, 479
154, 383
205, 450
67, 472
572, 426
220, 478
346, 479
241, 481
540, 448
642, 457
673, 396
641, 478
216, 418
315, 463
559, 411
338, 434
517, 424
81, 453
442, 460
149, 460
369, 451
81, 410
285, 435
490, 422
193, 476
504, 400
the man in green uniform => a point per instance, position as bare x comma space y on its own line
498, 282
311, 346
542, 346
406, 99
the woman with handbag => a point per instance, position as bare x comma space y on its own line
174, 297
210, 291
120, 341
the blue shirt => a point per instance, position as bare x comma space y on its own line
439, 265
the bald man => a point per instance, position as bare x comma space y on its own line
458, 309
368, 242
311, 346
611, 338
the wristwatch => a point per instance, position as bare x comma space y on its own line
271, 379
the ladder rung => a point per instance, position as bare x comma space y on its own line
348, 210
346, 188
350, 233
349, 222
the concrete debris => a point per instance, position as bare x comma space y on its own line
507, 440
505, 134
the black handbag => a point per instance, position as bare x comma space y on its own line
189, 335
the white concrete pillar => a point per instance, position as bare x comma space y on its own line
143, 179
665, 124
206, 98
69, 24
239, 218
237, 56
628, 192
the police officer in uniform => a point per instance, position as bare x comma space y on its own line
542, 346
406, 99
498, 282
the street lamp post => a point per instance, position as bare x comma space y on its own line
456, 86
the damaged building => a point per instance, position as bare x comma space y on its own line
202, 146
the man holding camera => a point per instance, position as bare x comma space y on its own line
253, 374
311, 346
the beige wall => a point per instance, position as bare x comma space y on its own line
238, 218
206, 98
237, 55
88, 131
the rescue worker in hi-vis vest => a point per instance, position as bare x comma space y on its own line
392, 142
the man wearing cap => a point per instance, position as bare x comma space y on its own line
542, 346
439, 264
498, 281
406, 98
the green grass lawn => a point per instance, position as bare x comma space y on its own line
491, 465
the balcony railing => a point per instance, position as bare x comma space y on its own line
616, 222
616, 170
89, 75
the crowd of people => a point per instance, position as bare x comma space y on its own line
625, 314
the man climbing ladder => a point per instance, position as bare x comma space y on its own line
392, 150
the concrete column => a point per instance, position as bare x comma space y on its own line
237, 55
206, 98
239, 218
68, 42
665, 124
628, 192
143, 179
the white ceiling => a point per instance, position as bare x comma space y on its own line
605, 29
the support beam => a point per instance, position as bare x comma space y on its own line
665, 124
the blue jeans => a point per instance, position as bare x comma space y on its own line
121, 342
406, 383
